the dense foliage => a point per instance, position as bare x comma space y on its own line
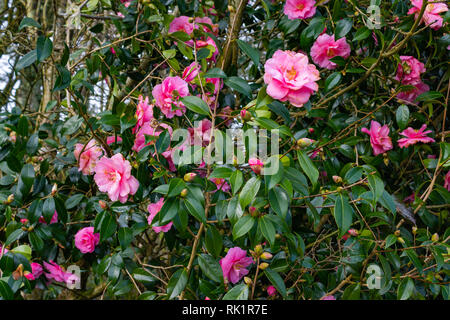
108, 106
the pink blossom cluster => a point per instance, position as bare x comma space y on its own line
431, 16
409, 71
326, 48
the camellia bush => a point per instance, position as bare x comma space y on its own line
240, 149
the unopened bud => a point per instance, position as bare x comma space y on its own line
245, 115
231, 8
248, 281
102, 204
337, 179
24, 221
414, 230
266, 256
277, 236
435, 237
54, 189
10, 199
304, 142
258, 250
12, 137
263, 265
311, 130
253, 211
386, 161
353, 232
339, 189
400, 239
184, 193
188, 177
397, 233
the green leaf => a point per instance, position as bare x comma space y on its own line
48, 210
390, 240
211, 268
276, 280
5, 291
213, 241
243, 226
239, 292
63, 80
125, 237
236, 181
249, 191
332, 80
343, 214
73, 201
221, 172
343, 27
176, 185
362, 33
376, 185
251, 52
402, 116
32, 144
28, 22
44, 48
308, 166
15, 235
36, 242
215, 73
405, 289
177, 283
429, 96
106, 226
239, 84
279, 201
412, 255
196, 105
27, 60
267, 229
196, 209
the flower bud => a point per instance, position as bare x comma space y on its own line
54, 189
339, 189
102, 204
10, 199
397, 233
258, 250
414, 230
24, 221
263, 265
184, 193
188, 177
435, 237
400, 239
12, 137
277, 236
266, 256
304, 142
353, 232
253, 211
246, 115
311, 130
248, 281
337, 179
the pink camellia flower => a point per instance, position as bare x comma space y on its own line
24, 221
271, 291
154, 208
149, 130
54, 218
36, 271
256, 165
208, 21
431, 15
3, 251
181, 23
289, 76
447, 181
325, 48
234, 264
58, 274
379, 137
113, 139
144, 113
86, 239
350, 232
217, 82
168, 94
409, 70
221, 184
191, 71
328, 298
208, 42
207, 298
412, 94
300, 9
202, 134
89, 156
113, 175
413, 136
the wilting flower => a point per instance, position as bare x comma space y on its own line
447, 181
300, 9
87, 156
379, 137
168, 94
54, 218
256, 165
113, 175
413, 136
413, 93
289, 76
86, 239
326, 48
271, 291
154, 208
181, 23
144, 112
409, 70
431, 15
234, 264
56, 272
36, 271
191, 71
